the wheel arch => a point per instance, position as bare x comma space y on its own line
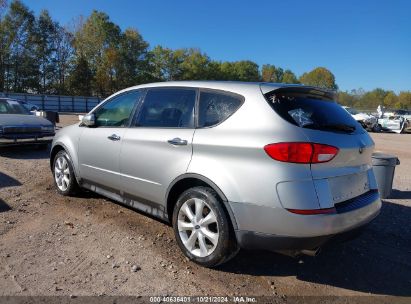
57, 147
189, 180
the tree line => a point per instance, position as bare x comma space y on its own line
94, 56
371, 99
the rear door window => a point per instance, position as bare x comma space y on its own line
215, 107
312, 111
167, 108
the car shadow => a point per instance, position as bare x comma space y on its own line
377, 262
86, 194
400, 194
25, 152
8, 181
4, 206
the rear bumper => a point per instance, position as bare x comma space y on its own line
261, 227
25, 141
257, 240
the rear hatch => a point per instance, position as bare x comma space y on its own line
323, 121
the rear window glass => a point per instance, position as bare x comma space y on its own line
312, 112
216, 107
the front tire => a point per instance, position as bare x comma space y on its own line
202, 228
63, 174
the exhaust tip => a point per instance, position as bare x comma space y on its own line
311, 252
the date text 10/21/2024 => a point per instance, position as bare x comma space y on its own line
203, 299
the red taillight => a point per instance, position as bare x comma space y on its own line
301, 152
290, 152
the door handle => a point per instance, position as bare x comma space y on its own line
114, 137
177, 142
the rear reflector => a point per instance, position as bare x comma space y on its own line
301, 152
313, 211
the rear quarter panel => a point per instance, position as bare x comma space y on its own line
232, 154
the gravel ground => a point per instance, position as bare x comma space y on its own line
88, 245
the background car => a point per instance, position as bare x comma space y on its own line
394, 123
367, 121
229, 165
18, 126
405, 113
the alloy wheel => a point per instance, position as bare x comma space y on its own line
62, 173
198, 227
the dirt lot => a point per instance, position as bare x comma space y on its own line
87, 245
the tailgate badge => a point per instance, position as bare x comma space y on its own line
362, 147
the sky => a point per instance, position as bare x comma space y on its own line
365, 43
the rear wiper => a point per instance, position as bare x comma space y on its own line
339, 127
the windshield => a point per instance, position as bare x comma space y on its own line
312, 112
12, 107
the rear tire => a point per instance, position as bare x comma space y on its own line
63, 174
404, 128
202, 228
377, 128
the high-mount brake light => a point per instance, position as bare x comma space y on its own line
301, 152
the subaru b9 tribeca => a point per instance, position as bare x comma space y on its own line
229, 165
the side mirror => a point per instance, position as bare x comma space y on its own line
89, 120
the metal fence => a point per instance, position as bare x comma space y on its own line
59, 103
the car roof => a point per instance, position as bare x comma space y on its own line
233, 86
220, 84
207, 83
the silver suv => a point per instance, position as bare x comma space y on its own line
230, 165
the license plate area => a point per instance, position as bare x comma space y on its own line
348, 186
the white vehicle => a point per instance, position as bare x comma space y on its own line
394, 123
404, 113
367, 121
398, 121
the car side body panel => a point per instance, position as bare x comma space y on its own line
140, 176
233, 157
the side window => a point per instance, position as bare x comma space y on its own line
215, 107
167, 108
116, 112
3, 108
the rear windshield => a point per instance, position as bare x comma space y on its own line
312, 112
